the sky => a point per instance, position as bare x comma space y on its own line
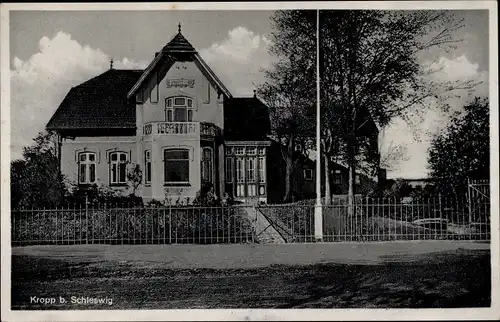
52, 51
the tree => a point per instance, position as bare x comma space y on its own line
369, 71
462, 149
289, 90
134, 178
36, 180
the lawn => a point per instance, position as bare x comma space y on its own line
160, 277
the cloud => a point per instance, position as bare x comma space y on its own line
417, 135
239, 59
39, 84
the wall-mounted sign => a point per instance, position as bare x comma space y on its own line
180, 82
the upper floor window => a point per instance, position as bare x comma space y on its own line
176, 162
118, 167
179, 109
86, 167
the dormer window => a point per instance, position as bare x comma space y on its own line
179, 109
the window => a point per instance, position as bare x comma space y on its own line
86, 167
206, 165
240, 170
308, 174
179, 109
252, 150
176, 166
229, 169
154, 89
147, 166
262, 169
262, 151
117, 168
239, 150
250, 170
337, 178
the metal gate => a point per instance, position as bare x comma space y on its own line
478, 195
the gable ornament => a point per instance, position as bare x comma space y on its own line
180, 82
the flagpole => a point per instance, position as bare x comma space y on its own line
318, 209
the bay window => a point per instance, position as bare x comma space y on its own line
179, 109
176, 166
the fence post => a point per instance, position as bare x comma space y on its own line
318, 221
86, 219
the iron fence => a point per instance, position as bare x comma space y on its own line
131, 225
387, 219
369, 220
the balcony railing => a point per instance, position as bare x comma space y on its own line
204, 129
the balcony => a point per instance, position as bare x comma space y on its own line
197, 129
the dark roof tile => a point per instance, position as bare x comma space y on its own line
100, 102
246, 118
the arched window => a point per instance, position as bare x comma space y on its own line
179, 109
86, 167
206, 165
118, 167
176, 162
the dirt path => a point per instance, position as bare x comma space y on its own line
459, 278
238, 256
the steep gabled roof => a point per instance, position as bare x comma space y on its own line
100, 102
246, 118
180, 49
178, 43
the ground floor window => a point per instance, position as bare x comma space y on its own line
308, 174
147, 166
262, 169
206, 164
249, 166
86, 167
118, 168
337, 179
176, 166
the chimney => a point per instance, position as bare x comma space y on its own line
254, 93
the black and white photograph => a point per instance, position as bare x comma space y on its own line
249, 161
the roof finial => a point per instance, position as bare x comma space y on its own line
179, 25
111, 63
